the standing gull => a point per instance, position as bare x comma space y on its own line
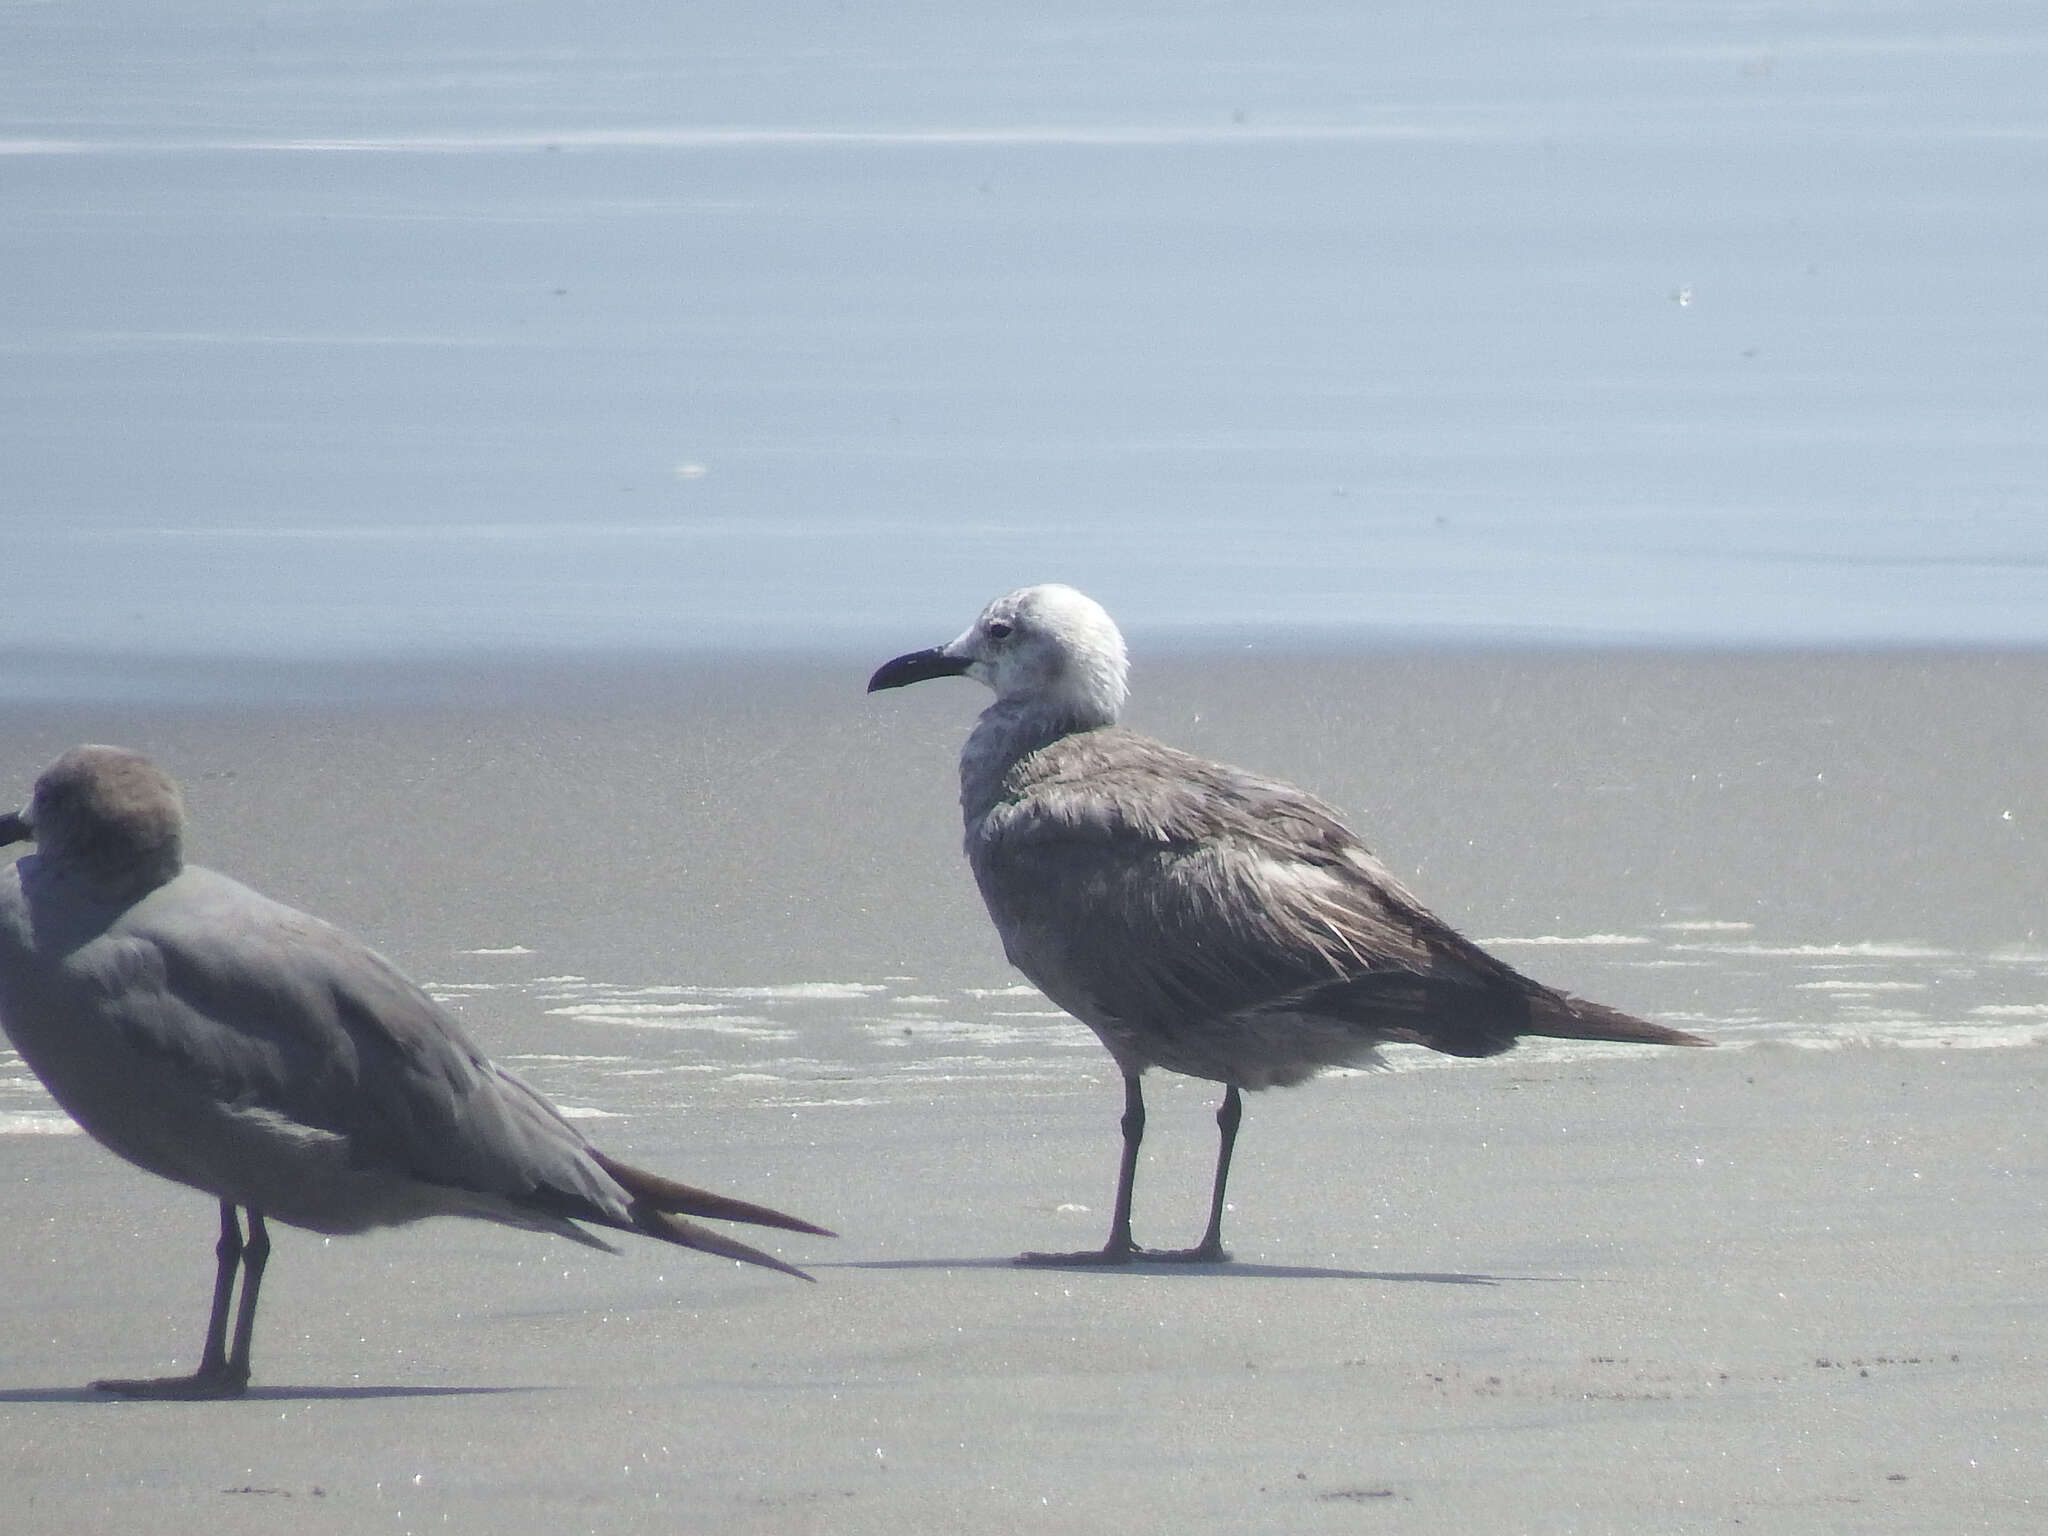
216, 1037
1197, 917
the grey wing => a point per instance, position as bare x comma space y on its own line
263, 1008
1146, 889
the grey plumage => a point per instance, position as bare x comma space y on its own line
230, 1043
1197, 917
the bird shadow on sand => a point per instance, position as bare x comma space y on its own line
1229, 1269
255, 1394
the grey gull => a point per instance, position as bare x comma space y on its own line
1197, 917
216, 1037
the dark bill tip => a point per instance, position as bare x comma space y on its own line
14, 830
917, 667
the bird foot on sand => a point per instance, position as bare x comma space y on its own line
201, 1386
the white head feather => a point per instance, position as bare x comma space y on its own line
1049, 652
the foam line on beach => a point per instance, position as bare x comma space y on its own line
794, 1045
1463, 127
752, 1026
910, 1035
1861, 950
38, 1122
626, 1008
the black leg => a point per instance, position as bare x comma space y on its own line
255, 1255
1228, 1114
213, 1359
1119, 1249
220, 1374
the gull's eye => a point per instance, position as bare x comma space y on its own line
999, 630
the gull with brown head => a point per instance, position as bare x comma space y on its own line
235, 1045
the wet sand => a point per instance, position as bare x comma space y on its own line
1793, 1284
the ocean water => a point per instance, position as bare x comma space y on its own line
368, 329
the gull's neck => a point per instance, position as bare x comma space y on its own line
1010, 730
114, 875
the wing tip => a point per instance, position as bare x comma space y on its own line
672, 1197
685, 1233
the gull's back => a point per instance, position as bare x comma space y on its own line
232, 1043
1218, 923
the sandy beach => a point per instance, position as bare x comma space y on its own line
1771, 1289
1597, 448
1792, 1284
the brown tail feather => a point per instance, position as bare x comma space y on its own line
1573, 1018
672, 1198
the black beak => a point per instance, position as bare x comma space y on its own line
14, 830
917, 667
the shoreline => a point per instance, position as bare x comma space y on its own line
476, 677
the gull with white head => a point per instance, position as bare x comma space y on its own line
1197, 917
227, 1042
